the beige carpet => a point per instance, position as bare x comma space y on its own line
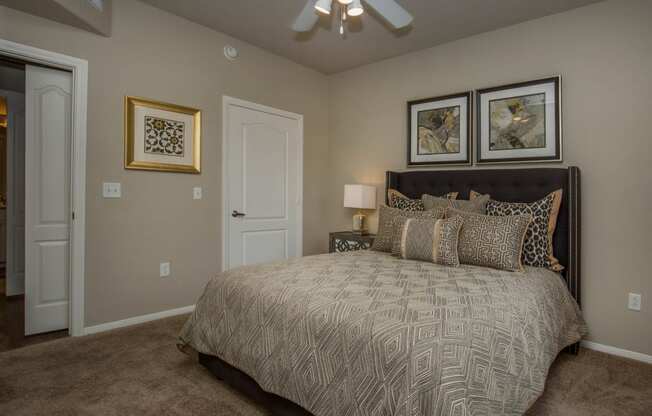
139, 371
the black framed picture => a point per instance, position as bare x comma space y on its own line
519, 122
439, 130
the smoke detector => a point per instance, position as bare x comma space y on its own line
231, 52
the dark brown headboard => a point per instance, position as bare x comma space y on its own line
512, 185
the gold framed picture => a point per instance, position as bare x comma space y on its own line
161, 136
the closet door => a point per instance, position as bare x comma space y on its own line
48, 104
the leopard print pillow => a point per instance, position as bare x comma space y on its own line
400, 201
537, 249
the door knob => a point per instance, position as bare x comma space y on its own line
236, 214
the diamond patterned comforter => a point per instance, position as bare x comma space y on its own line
364, 333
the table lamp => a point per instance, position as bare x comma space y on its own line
360, 197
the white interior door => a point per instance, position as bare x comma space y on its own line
48, 104
15, 237
263, 166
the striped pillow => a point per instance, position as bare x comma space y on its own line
435, 241
386, 218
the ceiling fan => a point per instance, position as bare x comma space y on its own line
390, 10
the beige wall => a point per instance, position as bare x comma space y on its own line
604, 54
156, 55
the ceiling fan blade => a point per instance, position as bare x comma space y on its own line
391, 11
307, 18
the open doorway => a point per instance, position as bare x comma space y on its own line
35, 212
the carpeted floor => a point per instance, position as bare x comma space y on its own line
139, 371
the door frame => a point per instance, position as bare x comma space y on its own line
79, 69
231, 101
10, 265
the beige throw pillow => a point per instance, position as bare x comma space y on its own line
538, 247
400, 201
386, 218
488, 241
476, 205
399, 222
435, 241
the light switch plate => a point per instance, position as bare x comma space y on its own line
196, 192
111, 190
634, 302
164, 269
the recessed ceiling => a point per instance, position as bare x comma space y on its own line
266, 23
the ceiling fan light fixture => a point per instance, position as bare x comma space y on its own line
355, 8
345, 2
324, 6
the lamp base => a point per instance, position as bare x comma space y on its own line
360, 224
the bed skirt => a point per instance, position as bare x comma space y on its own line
278, 406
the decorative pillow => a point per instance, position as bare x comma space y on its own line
431, 240
399, 222
386, 218
537, 250
473, 195
476, 205
491, 241
400, 201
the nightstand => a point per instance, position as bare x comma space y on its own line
348, 241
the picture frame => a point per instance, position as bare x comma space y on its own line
440, 130
161, 136
519, 123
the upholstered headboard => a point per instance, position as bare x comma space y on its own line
512, 185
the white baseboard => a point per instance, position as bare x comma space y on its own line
617, 351
137, 320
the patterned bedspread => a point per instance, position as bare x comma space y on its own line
365, 333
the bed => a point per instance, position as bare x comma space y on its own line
366, 333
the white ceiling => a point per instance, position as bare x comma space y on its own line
266, 23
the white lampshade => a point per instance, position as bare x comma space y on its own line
324, 6
345, 2
355, 8
360, 196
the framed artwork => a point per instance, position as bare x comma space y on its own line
520, 122
162, 137
439, 130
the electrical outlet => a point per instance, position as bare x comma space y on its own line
111, 190
164, 269
634, 303
196, 192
